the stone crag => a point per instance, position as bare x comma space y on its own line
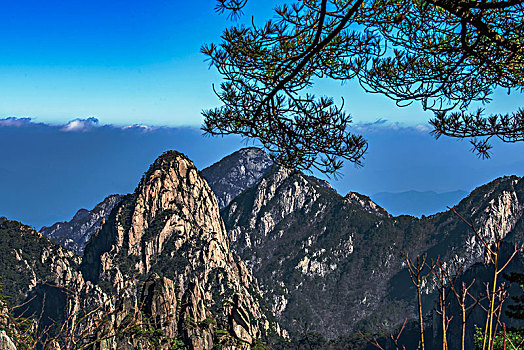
170, 234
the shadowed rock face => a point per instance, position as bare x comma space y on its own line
320, 258
74, 234
335, 262
237, 172
29, 259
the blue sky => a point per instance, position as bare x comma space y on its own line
121, 61
136, 62
139, 62
133, 62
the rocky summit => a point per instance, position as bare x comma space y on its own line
237, 172
169, 233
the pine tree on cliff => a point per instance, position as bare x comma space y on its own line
444, 54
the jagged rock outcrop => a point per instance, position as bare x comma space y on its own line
5, 342
170, 228
159, 272
495, 208
74, 234
42, 281
236, 173
366, 203
6, 326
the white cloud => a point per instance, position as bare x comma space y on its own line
384, 125
141, 127
80, 125
16, 122
423, 128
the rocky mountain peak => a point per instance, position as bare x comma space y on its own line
172, 199
169, 232
366, 203
236, 172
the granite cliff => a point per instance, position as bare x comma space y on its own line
169, 233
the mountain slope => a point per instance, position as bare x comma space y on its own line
313, 250
29, 260
227, 178
335, 262
159, 273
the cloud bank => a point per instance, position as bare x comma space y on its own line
92, 123
17, 122
75, 125
384, 125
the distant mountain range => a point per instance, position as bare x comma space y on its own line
417, 203
278, 253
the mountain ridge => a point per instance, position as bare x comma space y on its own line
331, 262
74, 234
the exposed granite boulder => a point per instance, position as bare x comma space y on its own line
6, 326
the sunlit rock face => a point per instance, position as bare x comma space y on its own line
169, 232
74, 234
